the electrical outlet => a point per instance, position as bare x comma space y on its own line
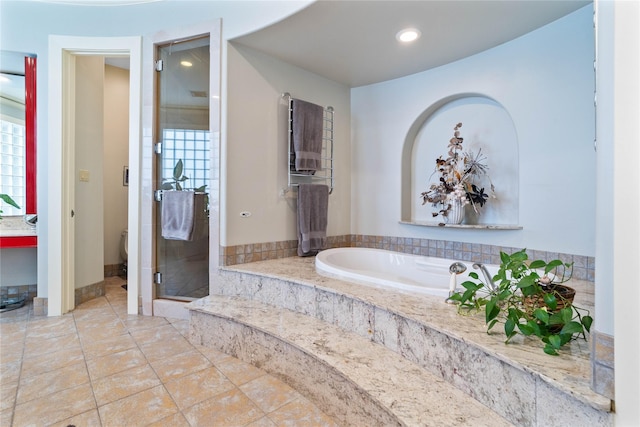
84, 175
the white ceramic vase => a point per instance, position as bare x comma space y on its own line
456, 213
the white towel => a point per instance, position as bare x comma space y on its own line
181, 213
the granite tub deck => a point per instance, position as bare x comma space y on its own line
516, 381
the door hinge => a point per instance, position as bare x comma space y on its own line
159, 65
157, 195
157, 278
157, 148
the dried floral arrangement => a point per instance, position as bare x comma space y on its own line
460, 177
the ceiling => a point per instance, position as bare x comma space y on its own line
353, 41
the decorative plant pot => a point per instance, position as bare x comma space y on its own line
564, 298
455, 215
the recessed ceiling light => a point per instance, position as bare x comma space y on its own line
186, 63
408, 35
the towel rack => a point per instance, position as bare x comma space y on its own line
323, 175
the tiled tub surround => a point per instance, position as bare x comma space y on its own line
518, 381
583, 266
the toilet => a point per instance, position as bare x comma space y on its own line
124, 245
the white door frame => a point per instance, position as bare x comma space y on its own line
60, 179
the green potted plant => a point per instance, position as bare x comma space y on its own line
8, 200
528, 298
175, 182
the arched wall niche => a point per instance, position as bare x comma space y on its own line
486, 126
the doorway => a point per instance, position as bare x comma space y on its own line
182, 169
58, 259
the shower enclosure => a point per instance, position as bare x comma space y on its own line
183, 162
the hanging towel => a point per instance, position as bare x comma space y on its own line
313, 204
181, 213
307, 124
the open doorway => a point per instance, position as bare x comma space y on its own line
61, 223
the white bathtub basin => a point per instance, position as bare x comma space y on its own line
405, 272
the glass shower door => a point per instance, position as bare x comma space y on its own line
182, 128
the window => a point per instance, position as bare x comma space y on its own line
190, 146
12, 167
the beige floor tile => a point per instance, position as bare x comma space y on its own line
181, 326
165, 347
8, 391
48, 327
216, 357
96, 334
6, 416
229, 409
46, 384
262, 422
107, 346
115, 362
125, 383
301, 412
85, 419
175, 420
11, 332
135, 323
11, 353
238, 371
37, 346
127, 358
139, 409
50, 362
155, 332
10, 372
198, 387
45, 411
180, 365
269, 393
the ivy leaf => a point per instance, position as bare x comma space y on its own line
177, 170
491, 310
509, 326
552, 264
537, 264
586, 322
542, 315
550, 300
525, 329
555, 341
571, 328
567, 314
527, 281
550, 350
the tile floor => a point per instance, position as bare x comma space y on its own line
98, 366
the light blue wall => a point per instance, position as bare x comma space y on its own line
545, 81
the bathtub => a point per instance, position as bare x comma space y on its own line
404, 272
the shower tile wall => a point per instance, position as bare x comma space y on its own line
583, 268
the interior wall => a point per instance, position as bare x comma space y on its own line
88, 206
255, 159
113, 21
116, 157
545, 82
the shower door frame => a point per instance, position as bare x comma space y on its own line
151, 305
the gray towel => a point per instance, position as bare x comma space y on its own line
182, 211
307, 124
313, 204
